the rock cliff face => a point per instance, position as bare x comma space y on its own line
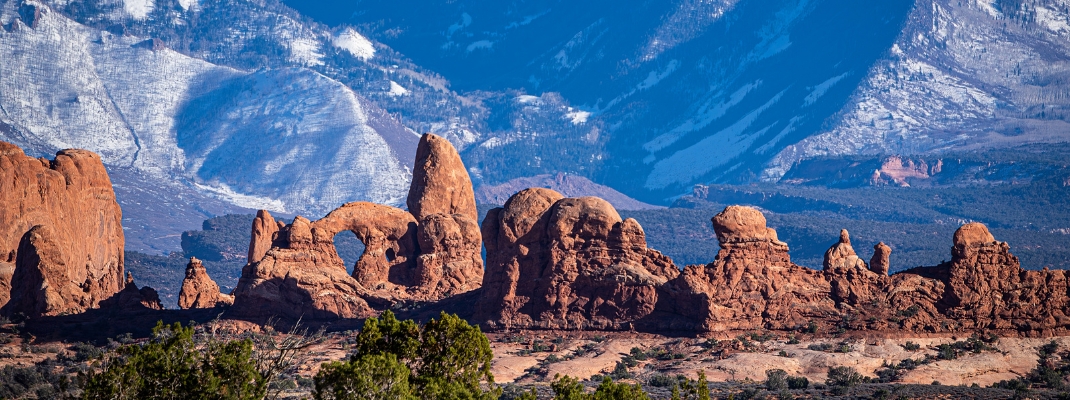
199, 290
61, 238
564, 263
428, 253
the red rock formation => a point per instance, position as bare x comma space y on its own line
989, 289
300, 278
76, 247
199, 290
440, 183
880, 263
389, 237
567, 264
427, 254
132, 298
264, 230
450, 260
842, 255
752, 284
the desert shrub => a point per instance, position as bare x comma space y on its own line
515, 392
842, 378
776, 380
798, 382
661, 380
40, 380
687, 389
171, 366
911, 346
820, 347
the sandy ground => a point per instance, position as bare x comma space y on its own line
514, 362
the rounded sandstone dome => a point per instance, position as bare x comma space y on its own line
740, 223
973, 234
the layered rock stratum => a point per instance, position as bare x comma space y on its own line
61, 237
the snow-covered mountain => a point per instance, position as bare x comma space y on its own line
696, 91
287, 139
300, 110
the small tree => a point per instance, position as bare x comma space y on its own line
692, 390
567, 388
609, 390
447, 357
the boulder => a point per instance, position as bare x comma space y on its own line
567, 263
440, 182
199, 290
59, 224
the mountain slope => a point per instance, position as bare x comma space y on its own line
286, 139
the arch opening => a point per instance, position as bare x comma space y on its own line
349, 248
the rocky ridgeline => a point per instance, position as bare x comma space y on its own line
61, 237
552, 263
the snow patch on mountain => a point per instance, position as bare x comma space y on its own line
306, 52
578, 116
397, 90
822, 88
706, 114
356, 44
138, 9
714, 151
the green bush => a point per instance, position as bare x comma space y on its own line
376, 376
171, 366
798, 382
446, 358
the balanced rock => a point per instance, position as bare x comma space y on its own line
752, 284
61, 238
567, 263
440, 183
199, 290
880, 263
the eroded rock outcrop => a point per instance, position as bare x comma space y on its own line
134, 298
567, 263
428, 253
752, 284
440, 183
199, 290
842, 255
300, 278
880, 263
61, 238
